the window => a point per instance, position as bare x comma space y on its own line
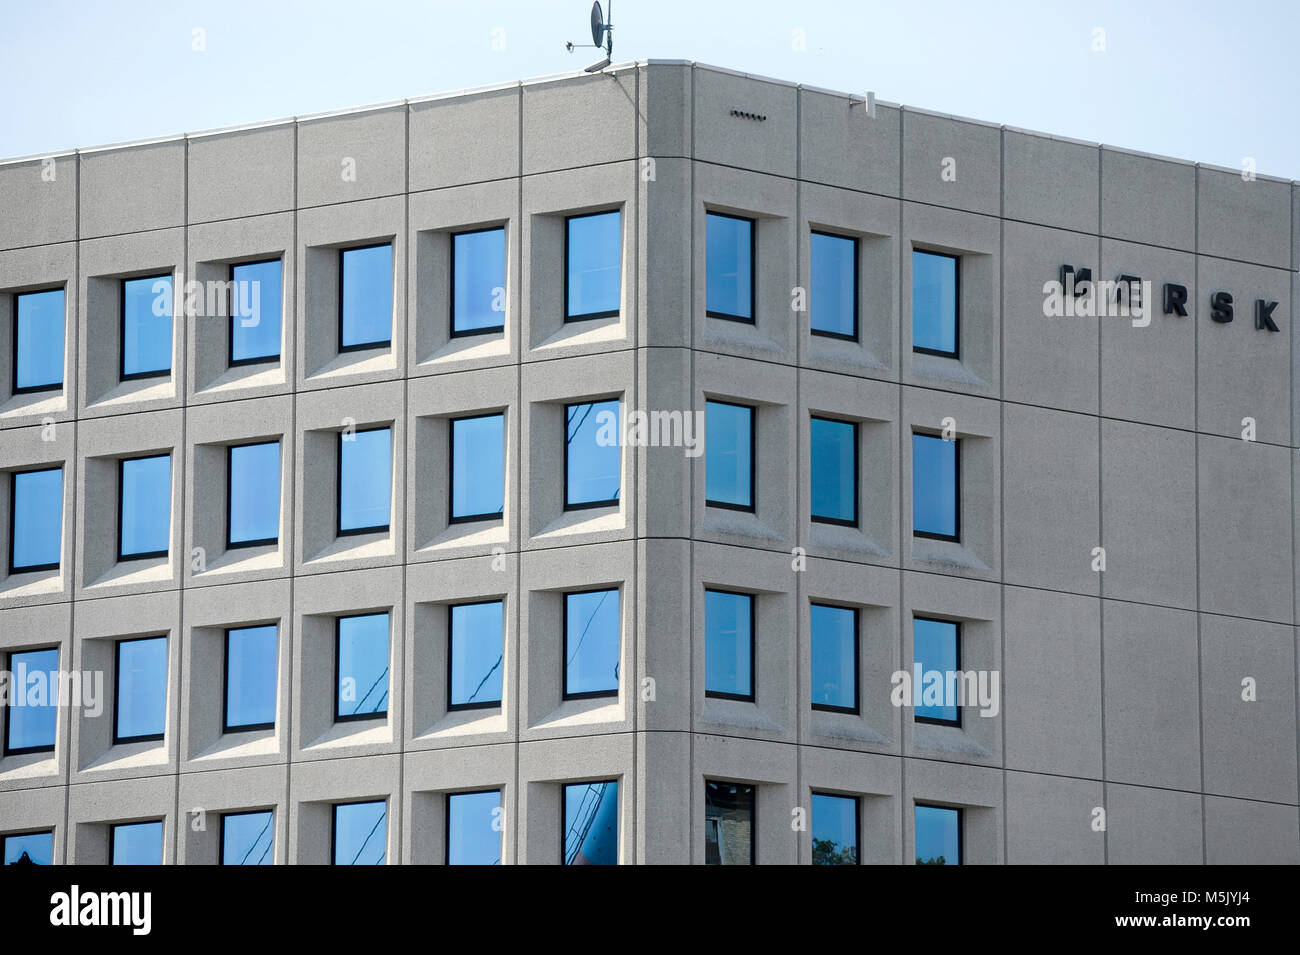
253, 494
728, 824
834, 470
38, 341
474, 828
29, 848
136, 843
938, 835
360, 833
936, 648
592, 641
361, 667
593, 266
936, 487
140, 702
729, 267
365, 480
478, 467
833, 298
35, 520
834, 830
729, 455
146, 327
365, 297
478, 281
144, 515
592, 462
728, 645
32, 711
475, 654
251, 656
934, 303
589, 814
248, 838
256, 308
833, 633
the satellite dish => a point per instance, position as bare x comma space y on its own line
602, 34
597, 24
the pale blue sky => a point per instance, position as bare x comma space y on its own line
1208, 81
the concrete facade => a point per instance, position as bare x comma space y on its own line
1122, 689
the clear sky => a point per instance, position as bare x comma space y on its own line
1208, 80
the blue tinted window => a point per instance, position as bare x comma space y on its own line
594, 266
729, 267
146, 327
833, 296
834, 470
141, 697
366, 297
362, 646
39, 332
935, 501
255, 312
477, 649
478, 281
834, 637
938, 835
478, 467
248, 838
934, 302
834, 830
365, 480
360, 833
145, 517
935, 648
592, 458
31, 716
36, 520
728, 824
137, 843
474, 828
591, 823
251, 655
592, 640
35, 848
728, 644
729, 455
254, 493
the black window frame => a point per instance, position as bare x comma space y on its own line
753, 648
338, 635
9, 668
564, 307
956, 308
121, 328
226, 728
564, 490
752, 508
961, 828
362, 346
753, 814
5, 837
857, 819
231, 360
565, 695
856, 708
955, 537
37, 389
148, 555
564, 814
857, 473
117, 689
230, 453
451, 469
857, 286
753, 270
446, 816
934, 721
13, 511
221, 835
452, 331
112, 835
486, 704
338, 486
334, 825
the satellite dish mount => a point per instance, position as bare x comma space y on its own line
602, 35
